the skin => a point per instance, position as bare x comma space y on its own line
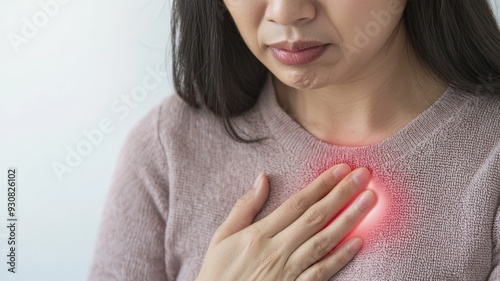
354, 94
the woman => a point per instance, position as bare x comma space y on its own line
404, 92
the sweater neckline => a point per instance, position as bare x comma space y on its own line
302, 144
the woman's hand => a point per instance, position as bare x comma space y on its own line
291, 243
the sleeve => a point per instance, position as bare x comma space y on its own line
130, 242
495, 273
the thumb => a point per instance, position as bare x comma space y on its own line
245, 209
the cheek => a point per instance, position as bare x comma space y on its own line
366, 22
247, 15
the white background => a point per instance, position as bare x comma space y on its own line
64, 80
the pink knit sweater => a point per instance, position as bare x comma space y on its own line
179, 175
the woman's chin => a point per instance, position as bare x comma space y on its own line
305, 80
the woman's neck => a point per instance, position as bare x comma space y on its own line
365, 111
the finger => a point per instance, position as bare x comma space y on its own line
245, 209
317, 216
332, 264
327, 239
296, 205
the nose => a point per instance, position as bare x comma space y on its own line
290, 12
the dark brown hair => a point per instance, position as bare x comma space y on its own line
457, 40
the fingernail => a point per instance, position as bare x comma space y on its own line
366, 200
361, 176
354, 245
258, 182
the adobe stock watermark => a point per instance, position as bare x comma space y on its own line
31, 27
121, 108
363, 37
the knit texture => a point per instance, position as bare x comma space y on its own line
179, 175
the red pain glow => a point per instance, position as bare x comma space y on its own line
373, 218
375, 215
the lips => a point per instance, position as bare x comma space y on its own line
298, 52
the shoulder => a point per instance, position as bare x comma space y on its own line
166, 129
172, 114
483, 111
489, 101
175, 128
179, 123
479, 121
